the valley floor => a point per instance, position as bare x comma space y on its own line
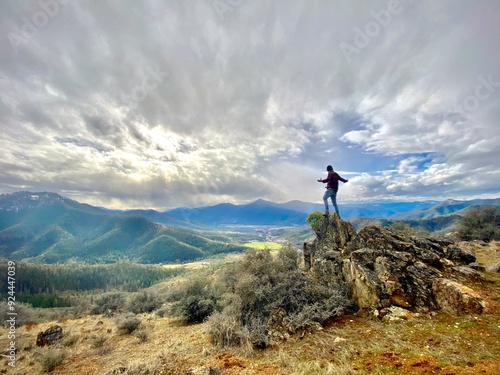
433, 343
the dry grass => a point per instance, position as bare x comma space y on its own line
425, 344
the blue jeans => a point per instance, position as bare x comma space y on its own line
329, 193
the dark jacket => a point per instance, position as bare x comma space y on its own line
333, 180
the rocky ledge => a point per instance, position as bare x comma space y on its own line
383, 269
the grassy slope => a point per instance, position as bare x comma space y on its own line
425, 344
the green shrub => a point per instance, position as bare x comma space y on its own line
249, 299
272, 294
314, 219
51, 359
162, 311
225, 329
108, 302
98, 342
128, 323
481, 223
143, 302
195, 299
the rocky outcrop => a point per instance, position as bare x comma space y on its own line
384, 269
332, 235
460, 255
50, 336
456, 298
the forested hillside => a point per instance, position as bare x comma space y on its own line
47, 228
43, 285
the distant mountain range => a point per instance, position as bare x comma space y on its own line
46, 227
262, 212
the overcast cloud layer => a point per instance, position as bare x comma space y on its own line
190, 102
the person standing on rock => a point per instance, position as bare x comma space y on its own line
332, 187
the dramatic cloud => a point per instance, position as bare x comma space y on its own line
170, 103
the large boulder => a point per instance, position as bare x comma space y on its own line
50, 336
457, 299
460, 255
381, 279
382, 268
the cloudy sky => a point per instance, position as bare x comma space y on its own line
167, 103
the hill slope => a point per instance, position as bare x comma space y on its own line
45, 227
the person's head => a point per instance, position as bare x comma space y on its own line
329, 168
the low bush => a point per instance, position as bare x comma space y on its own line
225, 328
195, 300
263, 296
70, 340
98, 341
112, 301
51, 359
128, 323
143, 302
314, 219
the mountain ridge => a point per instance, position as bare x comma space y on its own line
48, 228
264, 212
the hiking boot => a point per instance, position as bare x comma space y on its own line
327, 213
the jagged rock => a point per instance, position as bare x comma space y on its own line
50, 336
338, 233
477, 266
456, 298
460, 255
384, 269
464, 273
380, 279
332, 235
332, 255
